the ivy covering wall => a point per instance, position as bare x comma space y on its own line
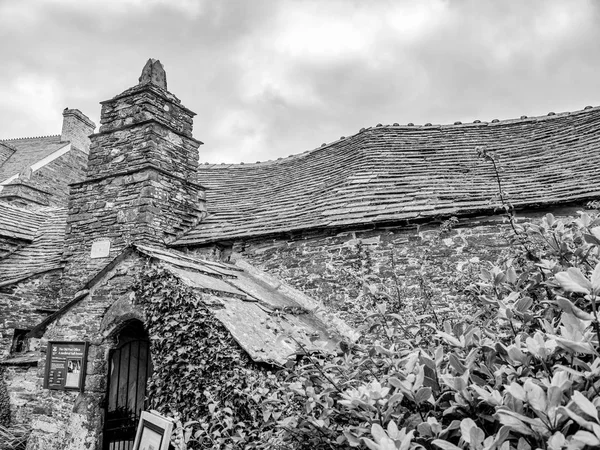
201, 376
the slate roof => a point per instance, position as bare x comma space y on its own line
19, 223
394, 173
266, 317
43, 254
28, 151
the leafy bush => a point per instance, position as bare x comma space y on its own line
523, 374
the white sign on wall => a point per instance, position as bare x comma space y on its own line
100, 248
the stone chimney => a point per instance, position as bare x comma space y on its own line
141, 182
76, 128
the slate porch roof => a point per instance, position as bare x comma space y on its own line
395, 173
265, 316
27, 152
271, 321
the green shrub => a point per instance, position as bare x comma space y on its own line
524, 374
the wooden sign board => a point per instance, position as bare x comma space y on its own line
65, 365
153, 433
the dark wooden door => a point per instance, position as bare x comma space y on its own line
128, 371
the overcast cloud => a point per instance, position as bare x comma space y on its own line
273, 78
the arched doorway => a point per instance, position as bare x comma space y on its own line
129, 368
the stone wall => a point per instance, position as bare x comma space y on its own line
25, 304
123, 209
407, 267
70, 420
22, 385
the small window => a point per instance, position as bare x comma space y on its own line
19, 342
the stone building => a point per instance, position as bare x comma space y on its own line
83, 213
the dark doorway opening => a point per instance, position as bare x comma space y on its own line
129, 368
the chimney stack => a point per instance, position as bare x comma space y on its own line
141, 181
76, 129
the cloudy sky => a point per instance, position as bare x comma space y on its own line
274, 78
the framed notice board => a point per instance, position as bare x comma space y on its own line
153, 432
65, 365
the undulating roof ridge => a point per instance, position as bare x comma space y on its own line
396, 173
475, 123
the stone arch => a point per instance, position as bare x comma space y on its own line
120, 313
128, 370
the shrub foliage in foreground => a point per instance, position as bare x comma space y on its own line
524, 373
